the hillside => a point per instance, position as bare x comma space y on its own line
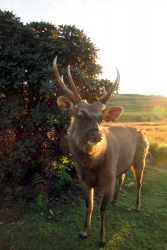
140, 108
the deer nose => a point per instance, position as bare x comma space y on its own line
96, 136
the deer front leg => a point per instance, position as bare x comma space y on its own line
107, 192
89, 196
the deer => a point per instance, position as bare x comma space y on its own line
102, 154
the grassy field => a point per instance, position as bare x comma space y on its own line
125, 229
140, 107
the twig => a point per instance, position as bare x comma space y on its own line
16, 227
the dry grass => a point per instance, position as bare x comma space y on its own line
156, 131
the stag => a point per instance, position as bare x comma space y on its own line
101, 154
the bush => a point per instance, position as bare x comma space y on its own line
139, 119
32, 131
58, 174
159, 153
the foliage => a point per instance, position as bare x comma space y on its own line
32, 131
58, 174
40, 204
37, 180
139, 119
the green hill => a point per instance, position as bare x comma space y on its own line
140, 108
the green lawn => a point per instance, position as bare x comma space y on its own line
149, 108
125, 228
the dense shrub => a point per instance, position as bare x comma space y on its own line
139, 119
32, 132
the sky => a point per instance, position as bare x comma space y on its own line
130, 35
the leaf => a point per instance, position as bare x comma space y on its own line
13, 247
21, 223
132, 183
124, 194
57, 219
59, 212
51, 212
32, 150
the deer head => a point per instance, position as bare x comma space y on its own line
86, 128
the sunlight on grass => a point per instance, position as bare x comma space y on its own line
157, 135
158, 110
119, 238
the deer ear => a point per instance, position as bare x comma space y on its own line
112, 114
65, 106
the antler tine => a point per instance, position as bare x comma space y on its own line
61, 82
104, 90
74, 89
108, 94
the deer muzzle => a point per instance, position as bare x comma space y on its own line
95, 136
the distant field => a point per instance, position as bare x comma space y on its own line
140, 108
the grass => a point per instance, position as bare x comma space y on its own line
148, 108
125, 229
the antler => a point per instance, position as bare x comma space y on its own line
73, 95
74, 89
108, 94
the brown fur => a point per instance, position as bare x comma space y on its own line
101, 154
101, 164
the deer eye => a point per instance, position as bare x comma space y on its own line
100, 119
80, 117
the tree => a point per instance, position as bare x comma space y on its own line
33, 132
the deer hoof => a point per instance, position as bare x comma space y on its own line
137, 209
82, 236
101, 244
114, 203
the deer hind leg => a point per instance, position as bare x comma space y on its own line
138, 170
89, 195
120, 182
